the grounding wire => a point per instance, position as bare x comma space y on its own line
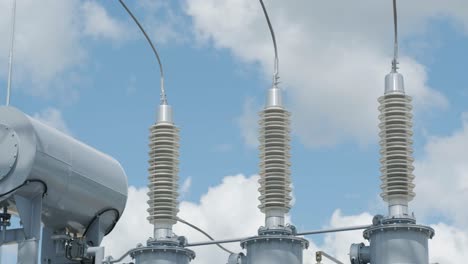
163, 91
203, 232
396, 48
273, 37
12, 47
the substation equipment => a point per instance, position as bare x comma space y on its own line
79, 193
164, 247
58, 186
395, 238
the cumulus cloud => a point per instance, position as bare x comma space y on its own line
333, 59
49, 47
442, 177
54, 118
449, 245
220, 217
248, 123
47, 38
236, 215
164, 21
99, 24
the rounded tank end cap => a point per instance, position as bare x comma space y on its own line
8, 150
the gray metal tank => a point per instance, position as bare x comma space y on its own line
81, 181
402, 243
274, 249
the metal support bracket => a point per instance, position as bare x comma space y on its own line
320, 254
29, 209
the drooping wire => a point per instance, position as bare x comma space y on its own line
396, 48
270, 26
204, 233
10, 60
163, 91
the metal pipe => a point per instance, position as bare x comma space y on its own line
334, 230
10, 60
316, 232
215, 242
98, 253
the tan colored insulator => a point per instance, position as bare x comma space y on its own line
396, 147
275, 173
163, 174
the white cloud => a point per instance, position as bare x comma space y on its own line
449, 245
99, 24
47, 39
164, 22
236, 215
333, 60
248, 123
220, 217
53, 117
132, 226
442, 177
49, 48
185, 188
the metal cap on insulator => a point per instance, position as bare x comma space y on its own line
165, 114
394, 83
274, 97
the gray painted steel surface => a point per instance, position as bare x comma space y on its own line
399, 243
274, 249
163, 255
81, 181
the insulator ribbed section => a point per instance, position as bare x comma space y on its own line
396, 147
163, 174
275, 174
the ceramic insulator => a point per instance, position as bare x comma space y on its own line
275, 174
163, 174
396, 147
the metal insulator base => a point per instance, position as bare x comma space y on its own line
275, 174
162, 255
163, 174
275, 249
396, 148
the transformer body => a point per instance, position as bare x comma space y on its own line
81, 181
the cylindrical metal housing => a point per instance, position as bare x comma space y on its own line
394, 83
275, 173
399, 243
81, 181
396, 152
271, 249
163, 178
163, 255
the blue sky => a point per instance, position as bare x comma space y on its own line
218, 66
